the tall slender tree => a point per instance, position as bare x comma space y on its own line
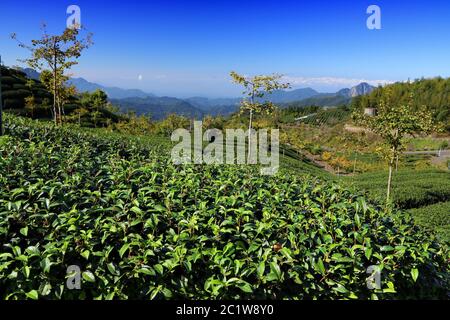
393, 122
255, 89
54, 55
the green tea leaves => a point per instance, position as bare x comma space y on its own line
414, 274
88, 276
139, 227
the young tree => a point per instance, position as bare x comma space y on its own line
46, 105
95, 117
95, 102
171, 123
255, 88
99, 99
30, 101
393, 122
30, 105
80, 113
56, 54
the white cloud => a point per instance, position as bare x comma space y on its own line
331, 81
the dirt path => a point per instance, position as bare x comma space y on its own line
439, 158
442, 160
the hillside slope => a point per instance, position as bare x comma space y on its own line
433, 93
140, 227
16, 86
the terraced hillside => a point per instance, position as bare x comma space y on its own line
424, 193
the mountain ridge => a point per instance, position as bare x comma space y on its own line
84, 85
158, 107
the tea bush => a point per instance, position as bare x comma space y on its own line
141, 228
435, 217
411, 188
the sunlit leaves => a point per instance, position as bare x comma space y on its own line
139, 227
88, 276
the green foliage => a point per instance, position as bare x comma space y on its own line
257, 88
393, 121
15, 90
53, 55
294, 163
170, 124
142, 228
317, 116
135, 125
435, 217
411, 188
434, 93
93, 110
87, 109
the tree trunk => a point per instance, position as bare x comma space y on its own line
392, 159
60, 111
55, 112
388, 194
249, 135
54, 85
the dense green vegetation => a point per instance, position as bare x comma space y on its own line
316, 116
322, 100
29, 97
292, 162
426, 191
412, 188
110, 201
140, 227
435, 217
433, 93
16, 87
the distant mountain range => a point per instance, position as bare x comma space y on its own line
83, 85
159, 107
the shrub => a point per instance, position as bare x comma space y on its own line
326, 156
435, 217
411, 188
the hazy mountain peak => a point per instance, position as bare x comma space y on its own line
30, 73
361, 89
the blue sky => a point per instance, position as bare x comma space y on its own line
186, 48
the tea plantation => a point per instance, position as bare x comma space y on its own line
141, 228
424, 193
